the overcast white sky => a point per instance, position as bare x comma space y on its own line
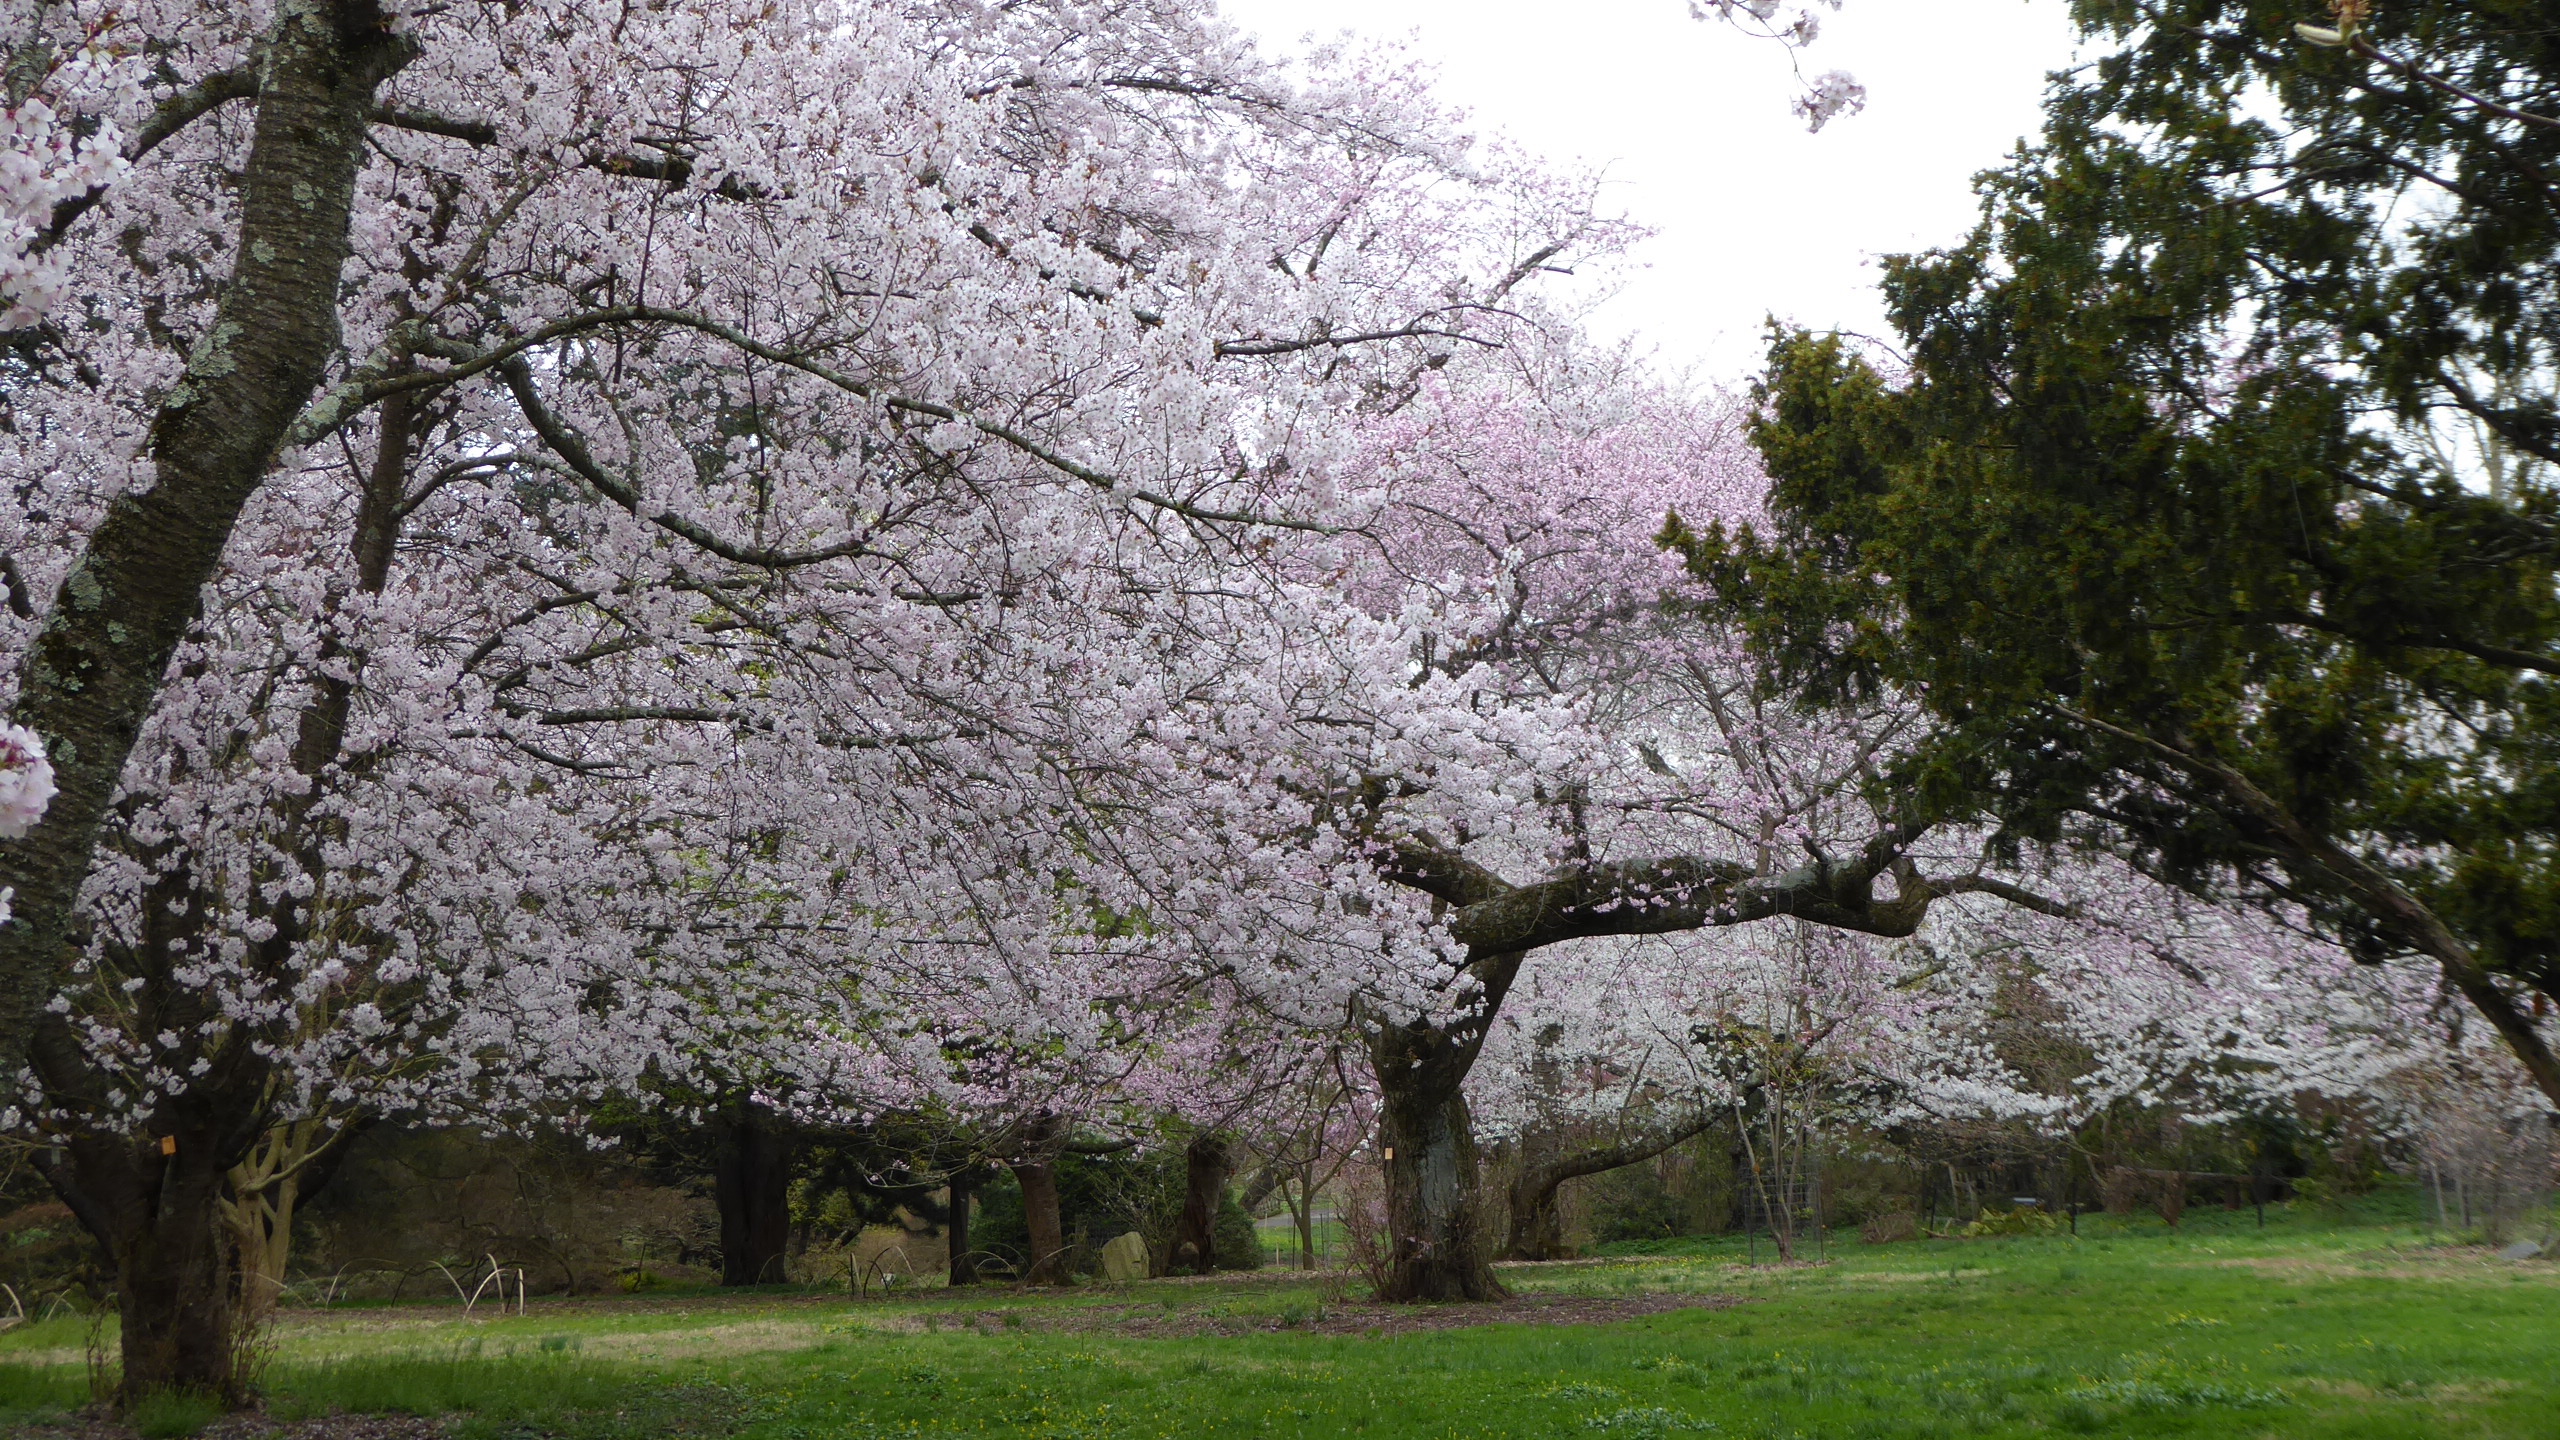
1753, 215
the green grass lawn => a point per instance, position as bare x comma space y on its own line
1280, 1241
2220, 1329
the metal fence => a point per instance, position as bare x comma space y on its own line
1775, 1210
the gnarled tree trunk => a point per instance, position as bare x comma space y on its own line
1195, 1236
1048, 1231
1537, 1222
964, 1261
1435, 1206
152, 1203
89, 682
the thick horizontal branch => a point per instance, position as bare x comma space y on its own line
1677, 893
1444, 874
743, 719
2017, 895
1600, 1159
1670, 894
624, 714
1291, 347
2411, 639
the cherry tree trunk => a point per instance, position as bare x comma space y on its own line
1435, 1206
1537, 1221
158, 1219
88, 682
1204, 1190
1039, 1181
964, 1261
751, 1179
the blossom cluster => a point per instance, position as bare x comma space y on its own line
26, 786
82, 70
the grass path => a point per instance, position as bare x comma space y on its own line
2220, 1330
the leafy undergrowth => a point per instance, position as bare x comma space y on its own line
2304, 1329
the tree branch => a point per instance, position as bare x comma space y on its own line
376, 382
173, 115
673, 170
1291, 347
572, 448
2368, 885
1601, 1158
2365, 48
1677, 893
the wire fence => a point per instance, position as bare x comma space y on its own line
1326, 1248
1784, 1217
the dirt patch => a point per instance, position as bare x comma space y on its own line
1347, 1318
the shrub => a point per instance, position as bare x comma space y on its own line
1889, 1227
1235, 1244
1635, 1204
2021, 1221
1362, 1204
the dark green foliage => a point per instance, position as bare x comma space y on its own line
1633, 1203
1690, 1189
1238, 1246
1099, 1197
579, 1220
1000, 1229
2213, 515
44, 1254
851, 1179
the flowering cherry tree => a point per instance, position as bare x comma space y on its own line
1634, 777
1826, 96
770, 549
75, 82
1526, 699
684, 563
